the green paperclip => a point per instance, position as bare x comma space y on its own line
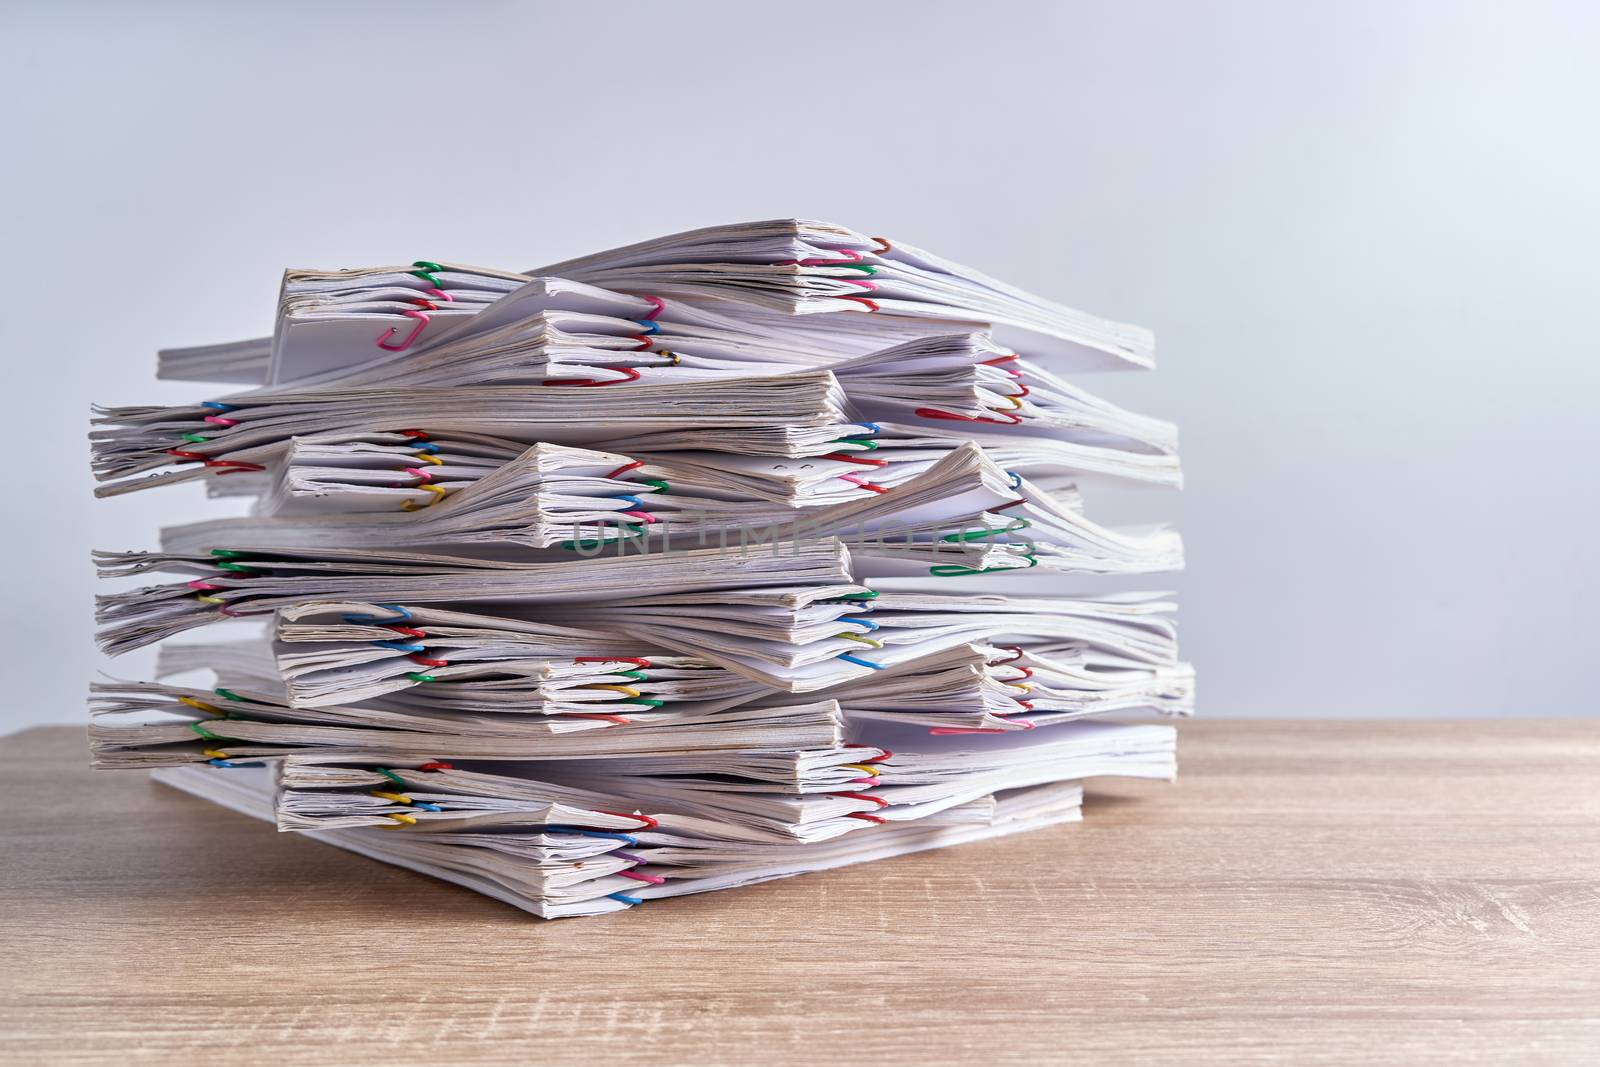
645, 701
195, 438
870, 594
393, 777
863, 267
415, 677
956, 570
200, 729
426, 266
661, 484
866, 444
638, 676
227, 694
237, 568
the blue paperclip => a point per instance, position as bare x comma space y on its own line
401, 646
625, 898
862, 662
401, 615
580, 832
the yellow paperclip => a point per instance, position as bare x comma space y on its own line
213, 753
431, 458
863, 640
202, 705
1016, 402
210, 600
402, 819
865, 768
1024, 686
398, 798
437, 490
628, 689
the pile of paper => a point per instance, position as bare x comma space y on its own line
685, 565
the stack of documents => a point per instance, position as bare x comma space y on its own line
685, 565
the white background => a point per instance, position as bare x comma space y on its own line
1364, 233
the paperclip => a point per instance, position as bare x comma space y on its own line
400, 615
438, 492
427, 266
627, 689
629, 374
422, 324
579, 831
649, 823
869, 642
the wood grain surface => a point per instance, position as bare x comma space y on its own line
1310, 892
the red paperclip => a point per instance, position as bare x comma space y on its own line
644, 663
227, 466
853, 480
630, 374
845, 457
862, 796
409, 631
649, 823
935, 413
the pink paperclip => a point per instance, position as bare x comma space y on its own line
422, 324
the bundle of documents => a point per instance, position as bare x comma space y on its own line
681, 566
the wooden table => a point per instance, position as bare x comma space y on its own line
1312, 891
